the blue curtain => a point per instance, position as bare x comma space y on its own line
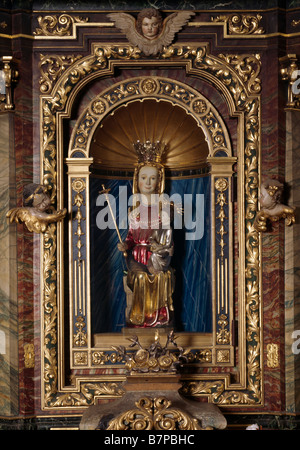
191, 260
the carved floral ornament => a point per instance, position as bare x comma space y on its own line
237, 76
65, 26
154, 414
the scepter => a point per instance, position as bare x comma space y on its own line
105, 192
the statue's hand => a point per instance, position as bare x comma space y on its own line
155, 247
122, 246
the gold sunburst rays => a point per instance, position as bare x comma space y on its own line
154, 120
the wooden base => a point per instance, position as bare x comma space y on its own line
152, 402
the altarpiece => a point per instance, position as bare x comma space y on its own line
101, 91
72, 161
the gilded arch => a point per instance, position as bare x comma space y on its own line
237, 78
164, 89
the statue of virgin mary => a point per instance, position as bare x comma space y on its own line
149, 243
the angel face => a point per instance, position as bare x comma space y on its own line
150, 27
41, 201
266, 200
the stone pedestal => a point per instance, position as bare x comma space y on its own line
152, 402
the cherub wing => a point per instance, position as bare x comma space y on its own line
35, 223
18, 215
126, 23
22, 214
172, 24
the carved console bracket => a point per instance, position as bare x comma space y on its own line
151, 403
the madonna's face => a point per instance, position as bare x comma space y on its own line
148, 179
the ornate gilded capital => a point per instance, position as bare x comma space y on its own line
289, 71
8, 76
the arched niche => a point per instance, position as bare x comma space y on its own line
101, 152
149, 119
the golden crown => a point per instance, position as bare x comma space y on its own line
149, 151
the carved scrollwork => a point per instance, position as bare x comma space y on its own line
248, 68
154, 413
241, 24
52, 67
57, 25
86, 395
202, 388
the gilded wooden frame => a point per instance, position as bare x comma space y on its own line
237, 77
83, 353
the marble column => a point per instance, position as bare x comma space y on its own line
292, 266
8, 272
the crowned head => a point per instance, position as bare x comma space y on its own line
150, 155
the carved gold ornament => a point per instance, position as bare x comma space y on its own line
295, 22
29, 356
241, 24
272, 356
52, 67
37, 224
53, 25
154, 414
264, 216
155, 358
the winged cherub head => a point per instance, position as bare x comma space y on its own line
149, 32
149, 23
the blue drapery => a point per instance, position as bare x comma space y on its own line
191, 261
